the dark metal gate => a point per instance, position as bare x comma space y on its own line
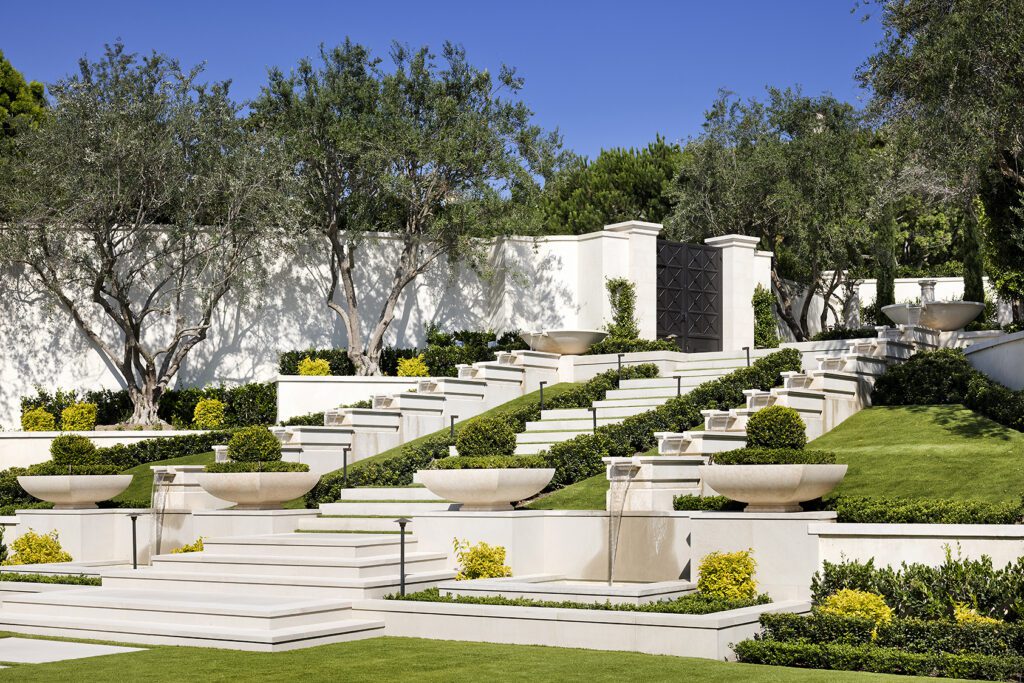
690, 295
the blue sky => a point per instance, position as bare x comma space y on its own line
605, 73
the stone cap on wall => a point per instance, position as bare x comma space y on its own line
732, 241
635, 226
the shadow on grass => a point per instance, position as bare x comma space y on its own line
961, 421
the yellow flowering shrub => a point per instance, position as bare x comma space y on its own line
413, 367
196, 547
964, 614
314, 367
728, 575
38, 420
480, 561
209, 414
80, 417
36, 548
854, 603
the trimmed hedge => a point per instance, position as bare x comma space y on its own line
257, 466
876, 659
339, 362
766, 327
618, 345
901, 511
776, 427
707, 504
837, 333
73, 579
254, 444
307, 420
773, 456
693, 603
499, 462
486, 436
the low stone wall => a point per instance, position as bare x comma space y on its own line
1000, 358
301, 395
892, 544
709, 636
21, 449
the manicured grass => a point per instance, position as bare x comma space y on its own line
141, 487
927, 452
588, 494
514, 404
409, 659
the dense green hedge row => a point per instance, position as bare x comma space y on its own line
945, 377
773, 456
499, 462
341, 365
853, 509
693, 603
839, 657
923, 592
73, 579
244, 405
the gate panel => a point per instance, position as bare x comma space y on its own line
690, 295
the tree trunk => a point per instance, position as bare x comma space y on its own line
146, 404
784, 305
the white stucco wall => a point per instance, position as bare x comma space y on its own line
536, 283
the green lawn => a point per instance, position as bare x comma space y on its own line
588, 494
141, 487
927, 452
408, 659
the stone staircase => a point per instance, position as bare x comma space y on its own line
395, 419
634, 396
266, 593
365, 510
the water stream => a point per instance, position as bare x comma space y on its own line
620, 475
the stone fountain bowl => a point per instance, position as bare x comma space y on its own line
75, 491
563, 341
257, 490
946, 316
903, 314
772, 488
486, 489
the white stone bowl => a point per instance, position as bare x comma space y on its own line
903, 314
772, 488
257, 490
563, 341
486, 490
75, 491
946, 316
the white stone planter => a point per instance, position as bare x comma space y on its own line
75, 491
486, 490
772, 488
563, 341
944, 316
257, 490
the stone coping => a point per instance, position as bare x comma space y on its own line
353, 379
525, 514
1011, 531
820, 515
104, 434
999, 340
713, 621
557, 586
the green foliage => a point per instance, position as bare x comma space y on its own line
693, 603
341, 364
490, 462
80, 417
35, 548
307, 420
235, 467
878, 510
773, 456
707, 503
254, 444
111, 406
622, 297
73, 450
925, 592
849, 602
194, 547
413, 367
445, 350
209, 414
486, 436
776, 427
728, 575
161, 448
964, 614
846, 333
480, 561
619, 185
314, 367
70, 579
22, 104
765, 328
615, 345
38, 420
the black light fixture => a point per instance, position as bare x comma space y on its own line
620, 365
593, 414
135, 541
401, 521
679, 386
541, 384
451, 426
344, 465
747, 349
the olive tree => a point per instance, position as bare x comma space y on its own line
432, 153
139, 205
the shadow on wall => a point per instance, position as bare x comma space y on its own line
532, 286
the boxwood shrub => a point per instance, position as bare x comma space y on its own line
500, 462
854, 509
254, 444
486, 436
776, 427
773, 456
258, 466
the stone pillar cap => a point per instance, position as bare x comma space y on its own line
733, 241
635, 226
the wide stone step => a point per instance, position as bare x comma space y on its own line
399, 508
406, 493
250, 611
531, 448
309, 545
575, 425
293, 586
554, 436
656, 392
163, 633
603, 411
353, 523
354, 568
649, 402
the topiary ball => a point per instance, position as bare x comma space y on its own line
73, 450
486, 436
776, 427
254, 444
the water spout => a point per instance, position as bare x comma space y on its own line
620, 475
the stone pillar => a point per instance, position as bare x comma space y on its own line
642, 268
739, 278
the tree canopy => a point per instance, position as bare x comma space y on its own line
22, 104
